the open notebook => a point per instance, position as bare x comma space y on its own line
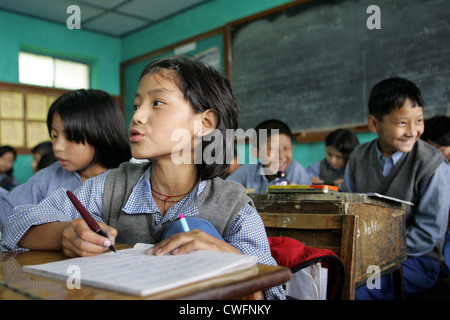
133, 272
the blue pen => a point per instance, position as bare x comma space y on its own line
184, 223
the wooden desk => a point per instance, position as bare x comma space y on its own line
362, 230
15, 284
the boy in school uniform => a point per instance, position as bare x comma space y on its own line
275, 154
400, 165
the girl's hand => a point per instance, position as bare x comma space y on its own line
193, 240
316, 180
79, 240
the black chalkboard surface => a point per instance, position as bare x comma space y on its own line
313, 65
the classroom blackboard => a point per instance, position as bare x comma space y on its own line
313, 65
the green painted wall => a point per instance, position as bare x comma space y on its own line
22, 167
18, 33
198, 20
23, 33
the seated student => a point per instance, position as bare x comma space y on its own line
84, 143
46, 160
277, 157
7, 158
400, 165
137, 202
38, 151
437, 133
339, 144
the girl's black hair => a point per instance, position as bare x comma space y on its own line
343, 140
437, 129
42, 148
46, 160
204, 88
93, 117
391, 94
5, 149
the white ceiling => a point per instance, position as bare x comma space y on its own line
111, 17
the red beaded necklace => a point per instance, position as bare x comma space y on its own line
167, 197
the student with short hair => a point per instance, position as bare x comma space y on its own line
339, 144
8, 156
400, 165
274, 151
437, 133
139, 202
46, 160
88, 136
38, 151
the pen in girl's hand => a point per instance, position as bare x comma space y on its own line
93, 225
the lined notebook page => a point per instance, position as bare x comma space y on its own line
131, 271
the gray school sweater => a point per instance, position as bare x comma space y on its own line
404, 181
219, 203
328, 174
